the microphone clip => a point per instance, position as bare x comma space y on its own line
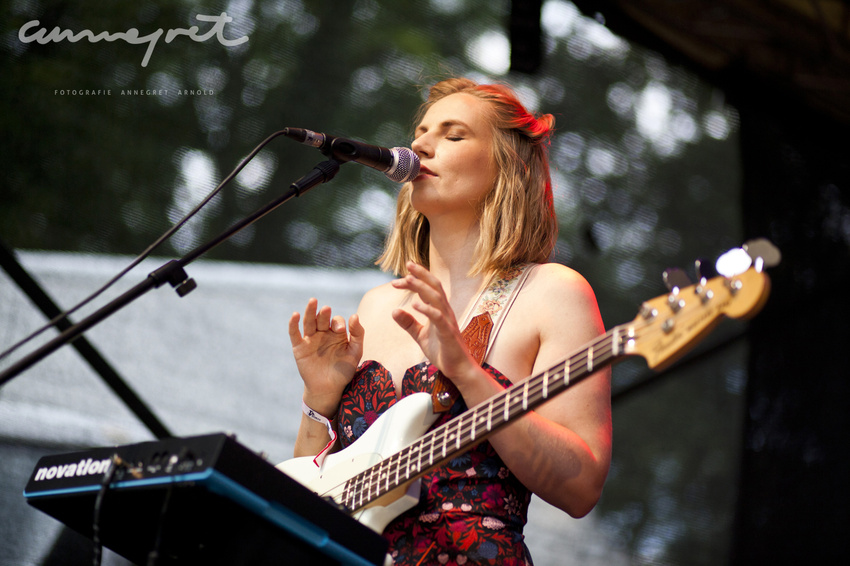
321, 173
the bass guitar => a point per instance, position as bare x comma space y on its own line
377, 478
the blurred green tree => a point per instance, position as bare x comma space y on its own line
101, 155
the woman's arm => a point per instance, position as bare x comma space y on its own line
562, 450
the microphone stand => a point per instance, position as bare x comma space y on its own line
172, 272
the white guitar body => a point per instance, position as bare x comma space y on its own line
398, 427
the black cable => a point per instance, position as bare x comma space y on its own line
98, 505
141, 257
153, 555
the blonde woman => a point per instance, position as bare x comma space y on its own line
472, 239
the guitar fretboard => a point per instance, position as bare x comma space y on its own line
473, 426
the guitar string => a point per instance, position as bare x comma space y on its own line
411, 457
467, 429
605, 350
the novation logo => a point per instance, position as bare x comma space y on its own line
87, 467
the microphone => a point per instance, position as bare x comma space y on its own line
399, 164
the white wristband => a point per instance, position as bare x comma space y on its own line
331, 432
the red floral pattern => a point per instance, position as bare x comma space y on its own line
471, 511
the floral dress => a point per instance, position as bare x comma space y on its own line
471, 510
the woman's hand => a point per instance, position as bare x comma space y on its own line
438, 336
326, 355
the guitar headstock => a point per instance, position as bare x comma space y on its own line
670, 325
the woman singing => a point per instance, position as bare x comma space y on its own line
477, 303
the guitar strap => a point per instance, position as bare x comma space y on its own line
498, 299
482, 325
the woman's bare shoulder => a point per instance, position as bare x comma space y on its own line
557, 296
379, 299
555, 280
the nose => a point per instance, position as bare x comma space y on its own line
422, 146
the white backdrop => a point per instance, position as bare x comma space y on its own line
217, 360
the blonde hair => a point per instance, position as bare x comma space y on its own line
517, 222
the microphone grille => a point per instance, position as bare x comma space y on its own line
405, 165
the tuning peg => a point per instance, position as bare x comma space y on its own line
675, 279
704, 269
764, 249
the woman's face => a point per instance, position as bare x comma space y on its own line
454, 143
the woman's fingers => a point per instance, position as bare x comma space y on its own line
310, 317
316, 320
323, 319
406, 321
320, 321
337, 324
356, 329
294, 331
423, 274
424, 284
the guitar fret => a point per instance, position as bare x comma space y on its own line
443, 442
370, 480
346, 495
431, 450
416, 463
355, 492
615, 346
402, 466
370, 484
536, 395
411, 469
380, 479
482, 420
449, 439
367, 484
385, 474
386, 469
375, 480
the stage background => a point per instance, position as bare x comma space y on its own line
656, 162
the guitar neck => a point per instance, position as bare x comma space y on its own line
665, 328
473, 426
